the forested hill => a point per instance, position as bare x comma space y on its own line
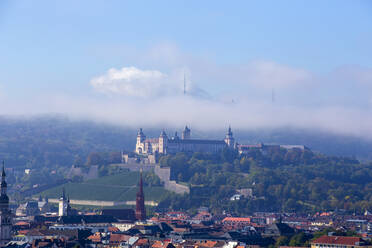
55, 140
319, 141
46, 141
280, 180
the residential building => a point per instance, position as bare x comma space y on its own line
338, 242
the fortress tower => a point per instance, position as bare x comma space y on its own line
229, 139
163, 141
140, 139
186, 133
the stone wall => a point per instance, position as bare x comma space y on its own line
162, 173
171, 185
92, 172
101, 203
136, 166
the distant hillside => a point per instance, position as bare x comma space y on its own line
119, 187
279, 179
46, 141
50, 140
319, 141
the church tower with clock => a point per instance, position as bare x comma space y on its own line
5, 213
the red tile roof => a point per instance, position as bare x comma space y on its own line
113, 229
207, 243
95, 237
160, 244
22, 223
339, 240
237, 219
23, 232
117, 238
141, 242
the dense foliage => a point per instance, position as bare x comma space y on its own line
303, 239
281, 180
46, 141
50, 141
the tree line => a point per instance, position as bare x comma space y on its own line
281, 180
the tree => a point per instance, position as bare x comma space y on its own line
78, 161
228, 155
103, 171
245, 164
282, 241
151, 179
114, 157
77, 179
94, 158
299, 239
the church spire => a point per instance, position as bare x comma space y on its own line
63, 204
5, 213
3, 182
63, 197
141, 183
140, 201
3, 172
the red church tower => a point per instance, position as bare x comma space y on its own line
140, 202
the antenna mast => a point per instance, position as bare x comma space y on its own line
184, 83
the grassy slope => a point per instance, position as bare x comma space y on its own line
119, 187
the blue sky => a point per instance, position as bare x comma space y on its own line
318, 54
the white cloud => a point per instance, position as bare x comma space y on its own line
236, 94
232, 94
200, 113
130, 81
355, 74
134, 82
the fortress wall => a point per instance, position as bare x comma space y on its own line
164, 175
93, 172
102, 203
177, 188
147, 203
137, 166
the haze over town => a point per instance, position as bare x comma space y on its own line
241, 66
186, 124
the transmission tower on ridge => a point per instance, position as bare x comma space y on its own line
184, 83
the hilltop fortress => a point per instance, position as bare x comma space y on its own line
149, 150
171, 145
